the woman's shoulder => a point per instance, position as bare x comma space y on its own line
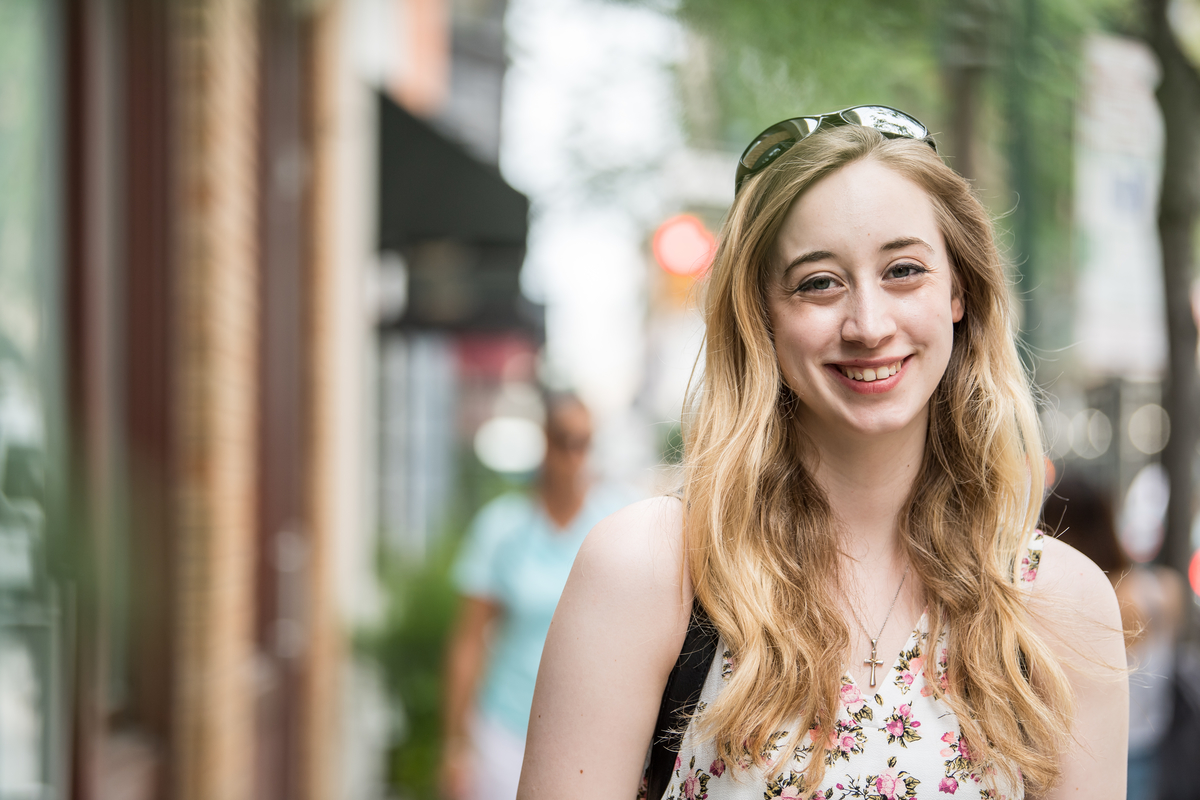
616, 633
1075, 601
1062, 568
639, 549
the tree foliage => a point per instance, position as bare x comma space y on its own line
771, 59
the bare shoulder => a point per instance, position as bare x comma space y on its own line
1075, 610
616, 633
638, 549
1069, 580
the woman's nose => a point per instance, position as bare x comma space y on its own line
870, 320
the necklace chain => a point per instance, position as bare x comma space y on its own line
891, 608
873, 661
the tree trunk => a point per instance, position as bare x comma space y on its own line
1179, 98
965, 61
1020, 64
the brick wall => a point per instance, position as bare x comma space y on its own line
321, 692
216, 346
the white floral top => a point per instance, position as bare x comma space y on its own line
898, 743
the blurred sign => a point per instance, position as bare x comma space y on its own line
1119, 316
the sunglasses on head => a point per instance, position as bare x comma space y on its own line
779, 138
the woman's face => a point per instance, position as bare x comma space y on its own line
862, 303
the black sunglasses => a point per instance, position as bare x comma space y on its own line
779, 138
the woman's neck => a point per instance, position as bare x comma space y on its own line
867, 482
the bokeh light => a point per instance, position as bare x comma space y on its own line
510, 445
683, 246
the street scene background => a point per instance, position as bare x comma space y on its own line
284, 287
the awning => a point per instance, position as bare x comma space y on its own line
432, 188
459, 227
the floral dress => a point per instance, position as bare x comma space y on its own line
899, 743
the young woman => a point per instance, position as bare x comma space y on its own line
858, 520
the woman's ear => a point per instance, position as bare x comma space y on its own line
956, 297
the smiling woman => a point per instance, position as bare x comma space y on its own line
852, 578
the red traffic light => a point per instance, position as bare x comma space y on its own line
683, 246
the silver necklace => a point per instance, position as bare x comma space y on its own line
873, 662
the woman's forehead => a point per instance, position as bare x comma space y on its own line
859, 209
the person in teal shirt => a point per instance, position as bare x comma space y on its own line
510, 572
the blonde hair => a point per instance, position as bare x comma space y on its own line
762, 539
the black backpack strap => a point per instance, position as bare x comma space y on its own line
679, 700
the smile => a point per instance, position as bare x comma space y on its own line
868, 374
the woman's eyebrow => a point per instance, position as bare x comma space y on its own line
903, 242
815, 255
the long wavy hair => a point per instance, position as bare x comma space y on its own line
761, 538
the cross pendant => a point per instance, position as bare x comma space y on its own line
873, 662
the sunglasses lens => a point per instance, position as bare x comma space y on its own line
775, 141
887, 121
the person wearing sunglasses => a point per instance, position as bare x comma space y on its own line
848, 598
510, 571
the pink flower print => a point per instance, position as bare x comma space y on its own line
690, 788
943, 670
678, 763
847, 743
963, 750
949, 736
906, 712
914, 669
1030, 564
901, 727
948, 786
790, 792
851, 695
717, 768
886, 784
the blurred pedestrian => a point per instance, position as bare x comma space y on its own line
853, 576
1152, 613
510, 572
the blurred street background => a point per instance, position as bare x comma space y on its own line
280, 281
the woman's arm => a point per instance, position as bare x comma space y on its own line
465, 657
615, 636
1080, 619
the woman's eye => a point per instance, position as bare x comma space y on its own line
905, 270
818, 284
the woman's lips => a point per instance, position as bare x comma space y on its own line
869, 380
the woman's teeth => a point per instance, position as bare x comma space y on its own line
868, 375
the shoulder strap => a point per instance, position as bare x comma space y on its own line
679, 699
